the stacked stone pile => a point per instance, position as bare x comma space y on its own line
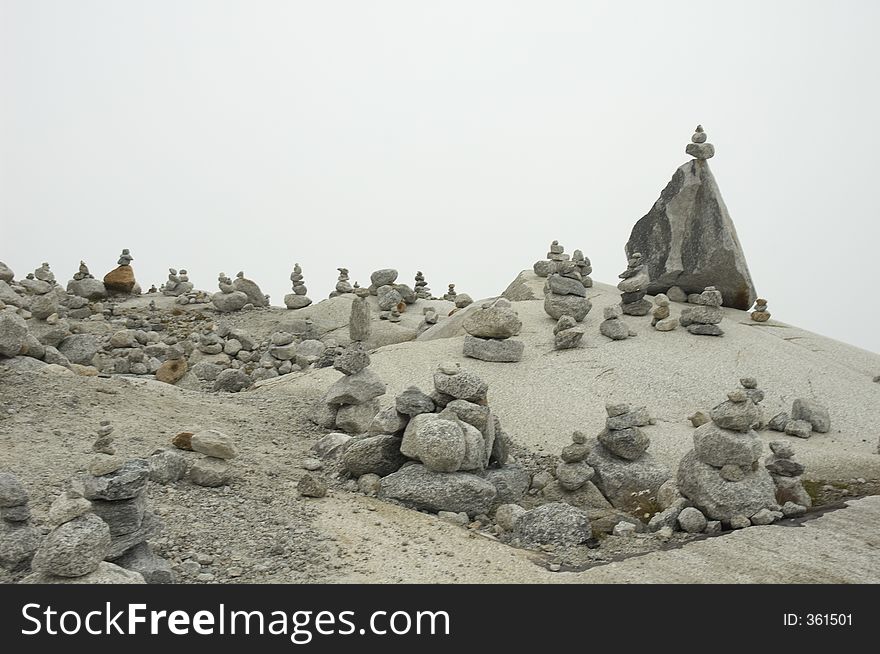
212, 469
392, 298
489, 331
351, 403
547, 267
565, 293
85, 285
120, 280
585, 268
18, 539
634, 287
567, 333
703, 319
431, 318
343, 285
786, 474
760, 312
297, 299
698, 148
421, 287
806, 416
660, 318
450, 294
612, 326
177, 284
721, 476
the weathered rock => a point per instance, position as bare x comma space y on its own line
692, 521
356, 418
383, 277
183, 441
493, 322
460, 384
412, 402
629, 443
369, 484
511, 483
507, 515
799, 428
352, 360
358, 388
331, 445
688, 240
379, 455
123, 516
575, 306
211, 442
142, 560
625, 483
12, 492
388, 421
738, 416
210, 472
167, 466
572, 476
719, 447
556, 524
416, 486
229, 302
813, 412
120, 280
123, 484
493, 349
778, 422
74, 549
80, 348
105, 574
18, 542
311, 486
172, 371
67, 507
439, 444
791, 489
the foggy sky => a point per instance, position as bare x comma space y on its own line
458, 138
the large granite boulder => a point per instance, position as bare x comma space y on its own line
688, 239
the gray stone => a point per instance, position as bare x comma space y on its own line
142, 560
18, 542
560, 285
6, 274
388, 298
105, 574
123, 516
369, 484
568, 339
80, 348
206, 371
738, 416
667, 494
574, 452
89, 288
412, 402
358, 388
383, 277
556, 524
700, 151
311, 486
778, 422
73, 549
626, 483
637, 417
572, 476
492, 349
799, 428
439, 444
388, 421
331, 445
460, 519
493, 322
123, 484
501, 445
295, 301
420, 488
228, 302
359, 325
792, 510
379, 455
356, 418
12, 492
352, 360
719, 447
214, 443
739, 521
20, 513
639, 308
210, 472
720, 499
232, 380
507, 515
615, 329
254, 295
167, 466
705, 330
511, 483
713, 527
668, 517
462, 385
67, 507
731, 472
765, 517
791, 489
692, 521
575, 306
813, 412
782, 449
783, 467
630, 443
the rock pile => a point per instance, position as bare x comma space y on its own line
177, 284
351, 403
698, 148
212, 470
628, 476
634, 287
121, 280
228, 299
297, 299
565, 293
421, 288
806, 417
585, 268
786, 474
489, 331
450, 294
392, 298
760, 313
343, 285
660, 318
703, 319
18, 539
85, 285
567, 334
612, 326
547, 267
721, 475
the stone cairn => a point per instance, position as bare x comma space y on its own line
117, 490
660, 318
806, 417
450, 294
567, 333
612, 326
626, 474
547, 267
297, 299
722, 476
421, 288
634, 286
359, 325
698, 148
343, 285
703, 319
392, 298
565, 293
85, 285
39, 282
177, 284
18, 539
249, 287
351, 403
228, 299
489, 331
786, 474
212, 469
121, 279
760, 313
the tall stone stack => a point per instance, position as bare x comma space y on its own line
450, 294
120, 280
722, 475
228, 299
565, 293
585, 268
634, 287
297, 299
660, 318
351, 403
786, 474
626, 473
343, 285
421, 287
75, 550
489, 331
359, 325
760, 312
704, 318
547, 267
18, 539
213, 468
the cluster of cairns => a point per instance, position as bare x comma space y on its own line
704, 318
660, 318
460, 300
806, 417
634, 286
298, 299
759, 312
489, 331
722, 476
18, 538
343, 285
445, 452
565, 291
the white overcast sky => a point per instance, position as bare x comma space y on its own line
458, 138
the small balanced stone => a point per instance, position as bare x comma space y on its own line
760, 313
698, 148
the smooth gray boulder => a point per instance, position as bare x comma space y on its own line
555, 523
813, 412
378, 455
420, 488
688, 240
495, 350
89, 288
